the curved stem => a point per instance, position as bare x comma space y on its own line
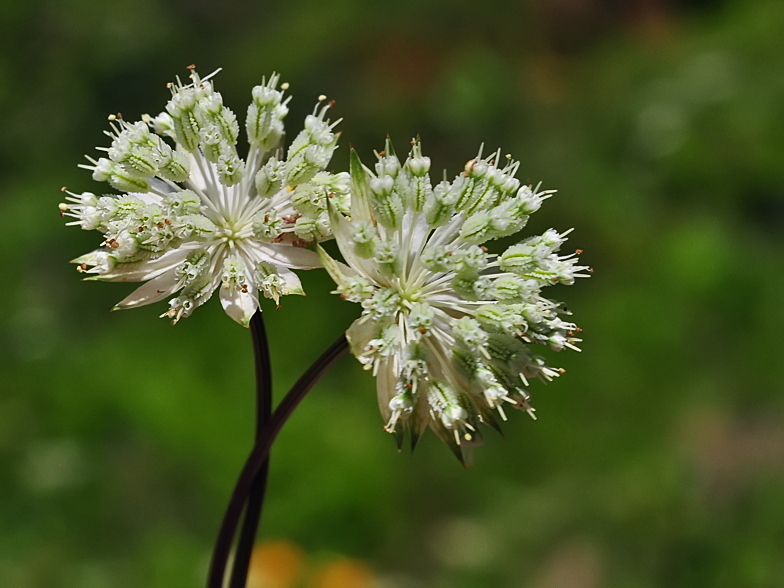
239, 571
259, 455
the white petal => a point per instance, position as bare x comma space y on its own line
340, 226
419, 233
239, 305
385, 386
447, 233
337, 271
286, 255
359, 335
417, 229
153, 291
196, 178
140, 271
293, 285
342, 231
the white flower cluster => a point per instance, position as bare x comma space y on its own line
447, 327
192, 216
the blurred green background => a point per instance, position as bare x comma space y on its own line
657, 460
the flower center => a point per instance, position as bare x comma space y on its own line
409, 292
232, 231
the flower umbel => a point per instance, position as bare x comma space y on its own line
192, 216
446, 327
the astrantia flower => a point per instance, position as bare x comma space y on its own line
192, 216
447, 327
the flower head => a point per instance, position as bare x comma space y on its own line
447, 327
192, 216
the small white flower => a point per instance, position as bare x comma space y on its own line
193, 217
446, 327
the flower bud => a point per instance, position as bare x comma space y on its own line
418, 166
387, 256
267, 226
365, 238
269, 179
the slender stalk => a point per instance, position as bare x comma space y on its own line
256, 460
242, 555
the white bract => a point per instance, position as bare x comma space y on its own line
448, 328
193, 217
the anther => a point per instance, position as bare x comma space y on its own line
578, 251
579, 330
62, 206
167, 221
484, 248
119, 115
284, 86
63, 189
191, 67
331, 103
169, 84
422, 330
112, 117
561, 371
382, 154
321, 98
590, 270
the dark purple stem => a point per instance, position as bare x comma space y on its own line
258, 457
250, 526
